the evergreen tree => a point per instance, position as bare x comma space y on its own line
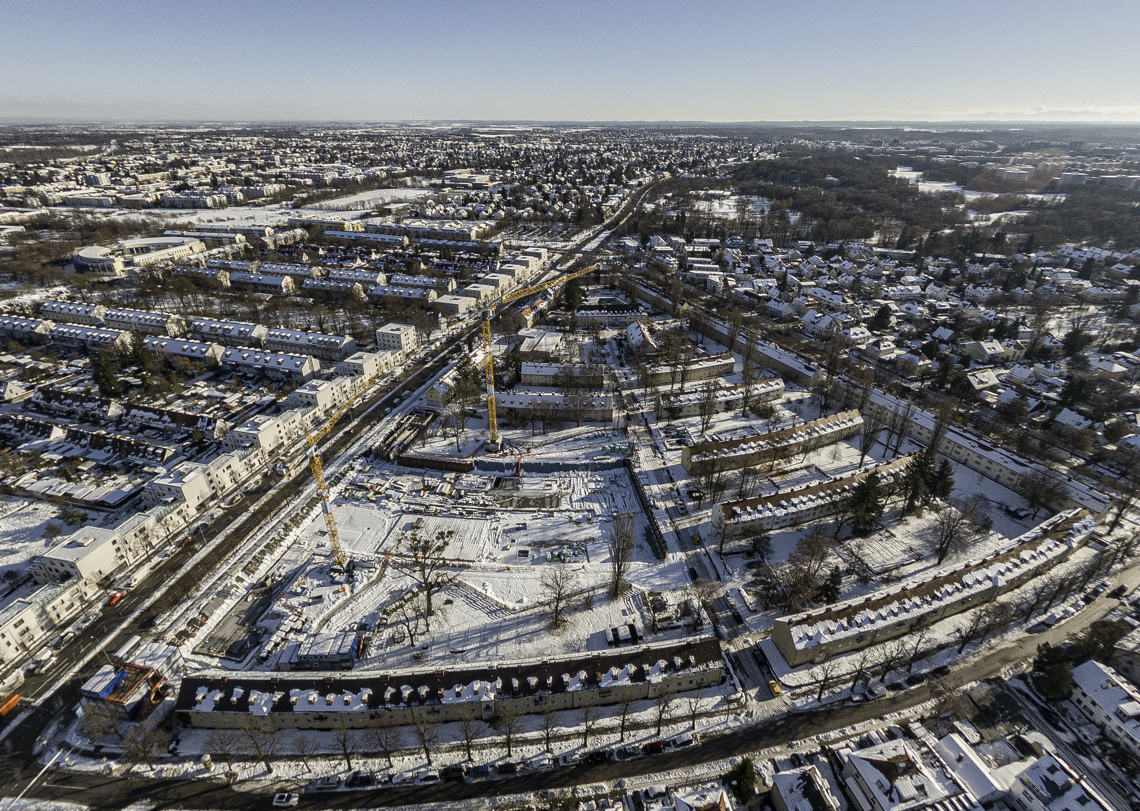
881, 320
105, 370
866, 505
916, 482
829, 591
942, 484
141, 356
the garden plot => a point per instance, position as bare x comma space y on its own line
22, 524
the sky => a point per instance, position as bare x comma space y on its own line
482, 60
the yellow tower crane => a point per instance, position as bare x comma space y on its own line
313, 457
489, 360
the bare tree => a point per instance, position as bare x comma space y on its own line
409, 614
146, 744
721, 530
345, 737
509, 722
891, 656
661, 706
958, 524
622, 544
262, 743
588, 716
827, 672
223, 743
916, 639
693, 706
558, 583
707, 406
872, 426
427, 733
305, 748
990, 619
425, 561
98, 725
1042, 488
864, 659
549, 726
625, 707
471, 730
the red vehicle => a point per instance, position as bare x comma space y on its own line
114, 598
653, 748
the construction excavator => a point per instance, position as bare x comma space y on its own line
489, 358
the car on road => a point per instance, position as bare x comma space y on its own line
359, 779
653, 748
453, 773
482, 770
683, 740
599, 756
285, 800
403, 778
508, 768
428, 776
915, 679
114, 598
540, 764
1118, 592
569, 759
628, 753
775, 688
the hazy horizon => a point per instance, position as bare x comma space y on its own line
882, 61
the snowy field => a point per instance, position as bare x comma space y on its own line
494, 607
22, 524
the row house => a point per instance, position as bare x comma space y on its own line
273, 365
144, 322
767, 448
90, 338
817, 635
72, 313
318, 345
228, 333
221, 701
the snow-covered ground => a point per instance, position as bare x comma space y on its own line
22, 523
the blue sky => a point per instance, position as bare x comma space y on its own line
572, 61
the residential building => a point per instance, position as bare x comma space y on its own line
318, 345
228, 701
816, 635
1110, 702
399, 338
272, 365
229, 333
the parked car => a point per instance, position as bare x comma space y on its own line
775, 688
508, 768
453, 773
403, 778
285, 800
569, 759
540, 764
683, 740
359, 780
653, 748
428, 776
482, 770
628, 753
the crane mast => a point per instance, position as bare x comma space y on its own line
489, 360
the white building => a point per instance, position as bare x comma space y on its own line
399, 338
273, 365
228, 333
1110, 702
145, 322
316, 344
